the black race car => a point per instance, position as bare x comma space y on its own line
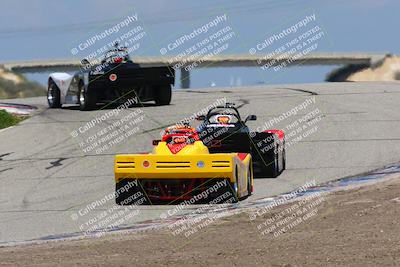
223, 130
117, 78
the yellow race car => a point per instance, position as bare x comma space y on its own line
181, 169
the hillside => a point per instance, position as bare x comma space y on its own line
388, 71
13, 85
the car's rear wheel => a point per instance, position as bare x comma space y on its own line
233, 193
163, 95
249, 182
129, 192
270, 164
87, 100
274, 167
236, 188
284, 157
53, 95
229, 191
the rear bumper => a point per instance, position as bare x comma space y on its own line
177, 166
195, 191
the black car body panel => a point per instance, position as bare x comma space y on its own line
130, 80
117, 78
266, 148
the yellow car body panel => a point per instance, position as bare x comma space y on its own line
192, 161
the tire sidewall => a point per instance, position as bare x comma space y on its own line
89, 101
249, 181
55, 92
163, 95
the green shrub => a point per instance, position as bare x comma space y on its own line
7, 119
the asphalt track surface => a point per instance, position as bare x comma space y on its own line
46, 178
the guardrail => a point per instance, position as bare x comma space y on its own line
186, 64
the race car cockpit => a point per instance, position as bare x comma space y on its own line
116, 55
225, 116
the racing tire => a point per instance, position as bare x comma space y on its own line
53, 95
163, 95
284, 158
126, 196
274, 166
249, 182
230, 189
270, 165
87, 100
234, 188
234, 193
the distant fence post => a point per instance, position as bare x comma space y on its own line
185, 78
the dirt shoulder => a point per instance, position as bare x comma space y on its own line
358, 227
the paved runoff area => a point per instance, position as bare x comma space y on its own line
56, 168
